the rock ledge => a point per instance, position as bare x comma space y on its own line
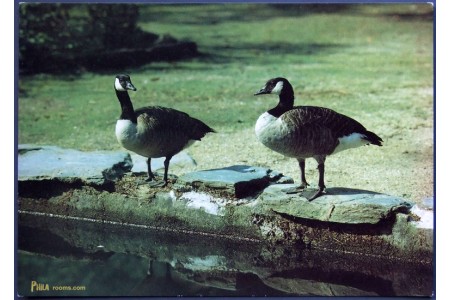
244, 202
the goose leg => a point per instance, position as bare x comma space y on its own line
303, 185
319, 192
151, 177
166, 168
321, 167
149, 170
301, 163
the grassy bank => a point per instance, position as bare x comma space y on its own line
373, 63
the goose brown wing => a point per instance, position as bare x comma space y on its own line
164, 119
325, 118
317, 129
341, 125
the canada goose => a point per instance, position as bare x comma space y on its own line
154, 131
307, 131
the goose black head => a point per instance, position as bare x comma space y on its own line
123, 83
275, 86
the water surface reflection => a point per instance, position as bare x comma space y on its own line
73, 258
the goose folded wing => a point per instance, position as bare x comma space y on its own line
162, 119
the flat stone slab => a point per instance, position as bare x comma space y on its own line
237, 181
68, 165
180, 159
339, 205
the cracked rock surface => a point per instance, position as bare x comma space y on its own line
339, 205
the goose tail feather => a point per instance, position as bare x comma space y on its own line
200, 129
373, 138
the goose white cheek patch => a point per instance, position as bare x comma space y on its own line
118, 86
278, 87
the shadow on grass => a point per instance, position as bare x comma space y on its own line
249, 53
426, 16
243, 53
207, 14
213, 14
266, 52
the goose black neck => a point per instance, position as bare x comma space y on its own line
285, 103
127, 106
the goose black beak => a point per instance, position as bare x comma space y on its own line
130, 86
262, 91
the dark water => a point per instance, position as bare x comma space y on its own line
73, 258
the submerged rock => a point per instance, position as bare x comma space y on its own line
338, 205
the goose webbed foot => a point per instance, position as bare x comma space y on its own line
311, 195
150, 178
293, 190
142, 181
156, 184
303, 186
296, 189
152, 182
